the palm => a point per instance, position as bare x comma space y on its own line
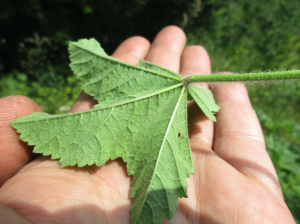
234, 180
46, 193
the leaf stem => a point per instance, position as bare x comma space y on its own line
249, 77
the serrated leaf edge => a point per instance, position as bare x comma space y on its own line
121, 62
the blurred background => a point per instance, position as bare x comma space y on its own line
240, 36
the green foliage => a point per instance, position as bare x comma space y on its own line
285, 156
249, 35
280, 102
52, 99
141, 116
37, 44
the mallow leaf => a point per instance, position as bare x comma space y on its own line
141, 116
205, 100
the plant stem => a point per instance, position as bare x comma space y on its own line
249, 77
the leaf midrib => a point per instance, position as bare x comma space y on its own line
163, 142
106, 106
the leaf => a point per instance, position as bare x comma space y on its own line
141, 116
111, 81
205, 100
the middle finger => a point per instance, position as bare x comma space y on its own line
167, 48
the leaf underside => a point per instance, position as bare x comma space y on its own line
205, 100
141, 116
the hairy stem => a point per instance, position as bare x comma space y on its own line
249, 77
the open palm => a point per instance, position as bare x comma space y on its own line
234, 180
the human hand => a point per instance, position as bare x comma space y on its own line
234, 180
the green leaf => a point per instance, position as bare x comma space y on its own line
141, 116
111, 81
205, 100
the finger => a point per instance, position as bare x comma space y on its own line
167, 48
238, 136
14, 152
195, 60
83, 102
130, 51
8, 215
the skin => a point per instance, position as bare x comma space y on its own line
234, 179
